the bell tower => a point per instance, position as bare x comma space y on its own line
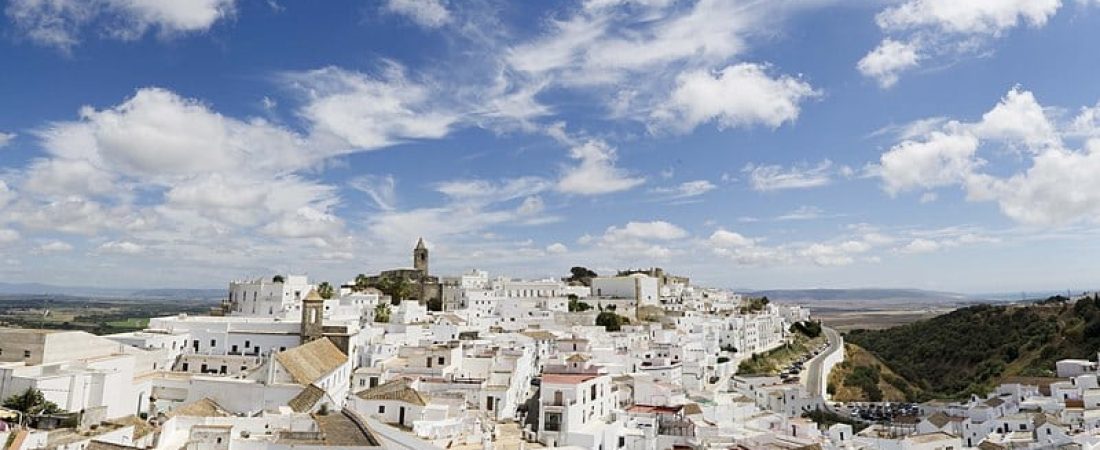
313, 317
420, 257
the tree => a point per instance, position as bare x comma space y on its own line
382, 313
611, 321
325, 290
581, 275
31, 402
361, 283
397, 288
278, 279
576, 305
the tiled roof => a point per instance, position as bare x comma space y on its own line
398, 389
309, 362
539, 335
204, 407
304, 401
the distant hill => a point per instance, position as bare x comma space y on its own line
17, 289
972, 349
858, 294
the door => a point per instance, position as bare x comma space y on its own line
401, 416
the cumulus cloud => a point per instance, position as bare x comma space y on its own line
1056, 189
6, 138
60, 23
935, 29
740, 95
595, 172
556, 248
426, 13
646, 240
367, 112
888, 60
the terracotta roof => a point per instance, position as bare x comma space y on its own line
305, 400
577, 357
309, 362
204, 407
994, 402
398, 389
986, 445
567, 378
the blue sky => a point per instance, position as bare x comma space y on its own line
817, 143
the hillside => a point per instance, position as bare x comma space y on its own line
862, 378
969, 350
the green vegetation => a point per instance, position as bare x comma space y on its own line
611, 321
136, 323
93, 315
576, 305
397, 288
971, 349
809, 329
382, 313
31, 402
754, 305
866, 378
325, 290
770, 363
580, 275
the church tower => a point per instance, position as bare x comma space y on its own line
313, 313
420, 257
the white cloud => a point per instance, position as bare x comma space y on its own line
6, 138
990, 17
382, 189
122, 247
802, 213
774, 177
921, 245
945, 29
368, 112
1019, 118
55, 247
888, 60
426, 13
556, 248
1056, 189
729, 239
595, 173
740, 95
8, 236
646, 240
59, 23
941, 159
686, 189
484, 191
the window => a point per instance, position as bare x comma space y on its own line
185, 365
381, 409
440, 361
26, 353
213, 343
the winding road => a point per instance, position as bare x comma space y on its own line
814, 378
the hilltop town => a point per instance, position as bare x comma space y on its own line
406, 359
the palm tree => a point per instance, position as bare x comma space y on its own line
361, 283
325, 290
382, 313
